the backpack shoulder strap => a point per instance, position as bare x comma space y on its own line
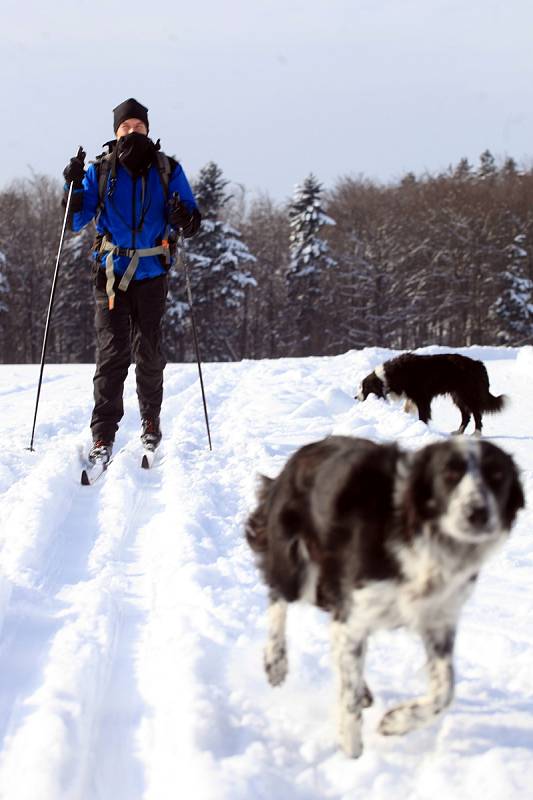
103, 166
165, 165
105, 163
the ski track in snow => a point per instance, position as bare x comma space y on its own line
132, 616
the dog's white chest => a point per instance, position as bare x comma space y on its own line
426, 592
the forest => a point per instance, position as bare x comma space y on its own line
429, 259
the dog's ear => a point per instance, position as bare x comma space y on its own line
370, 385
286, 555
515, 500
362, 392
420, 503
374, 385
264, 485
256, 524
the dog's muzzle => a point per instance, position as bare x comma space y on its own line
478, 519
478, 516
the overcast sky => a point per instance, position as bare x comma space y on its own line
271, 89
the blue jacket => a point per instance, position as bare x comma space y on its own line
130, 220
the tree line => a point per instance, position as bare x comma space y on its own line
432, 259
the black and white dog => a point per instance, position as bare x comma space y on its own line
421, 378
381, 539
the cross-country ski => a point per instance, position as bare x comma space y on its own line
148, 458
92, 472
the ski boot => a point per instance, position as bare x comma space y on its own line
151, 433
100, 452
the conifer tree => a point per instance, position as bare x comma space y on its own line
463, 170
218, 261
510, 168
487, 166
309, 258
514, 308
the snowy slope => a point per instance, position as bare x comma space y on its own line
132, 618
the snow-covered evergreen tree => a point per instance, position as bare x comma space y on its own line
309, 258
218, 260
514, 307
487, 166
463, 170
510, 168
218, 256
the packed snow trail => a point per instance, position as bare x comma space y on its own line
133, 618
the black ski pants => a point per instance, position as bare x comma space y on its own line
132, 328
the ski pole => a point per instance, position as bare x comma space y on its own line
185, 265
50, 303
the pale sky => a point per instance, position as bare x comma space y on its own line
271, 89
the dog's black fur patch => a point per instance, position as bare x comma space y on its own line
422, 378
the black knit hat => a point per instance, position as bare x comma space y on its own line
130, 109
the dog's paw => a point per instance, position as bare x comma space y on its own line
276, 664
350, 739
397, 721
405, 718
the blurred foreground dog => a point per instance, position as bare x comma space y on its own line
381, 539
419, 379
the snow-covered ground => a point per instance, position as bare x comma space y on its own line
132, 617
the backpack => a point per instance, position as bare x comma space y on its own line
106, 165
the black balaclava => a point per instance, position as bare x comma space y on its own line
135, 151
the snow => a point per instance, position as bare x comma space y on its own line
132, 617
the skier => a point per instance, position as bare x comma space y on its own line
139, 196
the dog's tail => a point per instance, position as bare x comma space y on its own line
489, 403
492, 404
256, 524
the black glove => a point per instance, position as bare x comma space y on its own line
74, 171
179, 215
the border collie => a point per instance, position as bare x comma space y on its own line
421, 378
381, 539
